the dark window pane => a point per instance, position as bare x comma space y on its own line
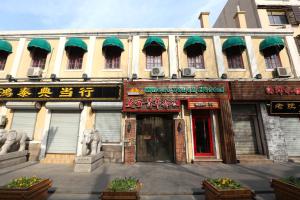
196, 61
273, 61
3, 58
38, 57
235, 61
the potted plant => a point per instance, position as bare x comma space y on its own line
286, 188
24, 188
122, 188
225, 188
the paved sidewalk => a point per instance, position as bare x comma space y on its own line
160, 180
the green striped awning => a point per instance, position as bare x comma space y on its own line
154, 40
39, 43
76, 42
5, 46
113, 42
195, 40
234, 41
271, 41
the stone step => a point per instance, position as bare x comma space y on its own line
294, 159
206, 159
257, 159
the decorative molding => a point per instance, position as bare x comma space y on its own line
135, 54
18, 57
219, 55
293, 54
172, 55
90, 55
45, 134
59, 56
251, 56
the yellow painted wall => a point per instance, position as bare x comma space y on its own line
10, 59
99, 61
26, 59
9, 116
69, 73
237, 73
39, 124
211, 70
90, 120
263, 18
267, 73
145, 73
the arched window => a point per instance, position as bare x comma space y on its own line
75, 48
39, 49
5, 50
154, 47
112, 48
270, 48
233, 48
194, 48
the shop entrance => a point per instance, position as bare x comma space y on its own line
202, 134
155, 138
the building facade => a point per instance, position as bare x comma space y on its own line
172, 95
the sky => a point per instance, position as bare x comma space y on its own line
93, 14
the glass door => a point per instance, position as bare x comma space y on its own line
203, 142
155, 138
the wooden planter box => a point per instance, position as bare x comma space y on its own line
285, 191
108, 195
212, 193
38, 191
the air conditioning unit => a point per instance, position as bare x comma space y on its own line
281, 72
2, 120
188, 72
34, 72
157, 72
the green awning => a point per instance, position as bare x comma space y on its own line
5, 46
195, 40
234, 41
113, 42
76, 42
271, 41
39, 43
154, 40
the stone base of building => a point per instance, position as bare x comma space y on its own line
112, 153
13, 158
88, 163
57, 158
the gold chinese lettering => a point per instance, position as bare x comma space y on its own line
66, 92
45, 92
7, 92
24, 92
291, 106
279, 106
86, 92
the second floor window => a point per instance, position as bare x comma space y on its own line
235, 58
272, 60
75, 56
38, 57
112, 58
297, 41
277, 17
153, 57
3, 58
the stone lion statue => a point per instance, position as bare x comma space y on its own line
91, 143
10, 138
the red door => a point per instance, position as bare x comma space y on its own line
203, 142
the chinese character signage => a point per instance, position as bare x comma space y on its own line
283, 107
60, 93
166, 96
203, 104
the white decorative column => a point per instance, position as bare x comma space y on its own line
135, 54
45, 134
17, 60
251, 57
294, 54
59, 55
172, 55
90, 55
82, 124
219, 55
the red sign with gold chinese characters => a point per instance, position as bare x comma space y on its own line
166, 96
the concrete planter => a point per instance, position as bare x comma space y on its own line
213, 193
285, 191
110, 195
38, 191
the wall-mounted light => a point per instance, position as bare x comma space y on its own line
224, 76
128, 127
258, 76
54, 78
179, 127
174, 76
134, 76
10, 78
85, 77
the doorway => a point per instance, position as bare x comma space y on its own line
202, 134
155, 138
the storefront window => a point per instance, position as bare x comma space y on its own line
3, 58
38, 57
276, 17
75, 56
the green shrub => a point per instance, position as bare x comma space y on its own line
292, 180
126, 184
23, 182
224, 183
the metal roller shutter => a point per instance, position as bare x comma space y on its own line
109, 125
244, 135
291, 129
24, 120
63, 132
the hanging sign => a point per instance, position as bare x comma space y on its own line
203, 104
285, 107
